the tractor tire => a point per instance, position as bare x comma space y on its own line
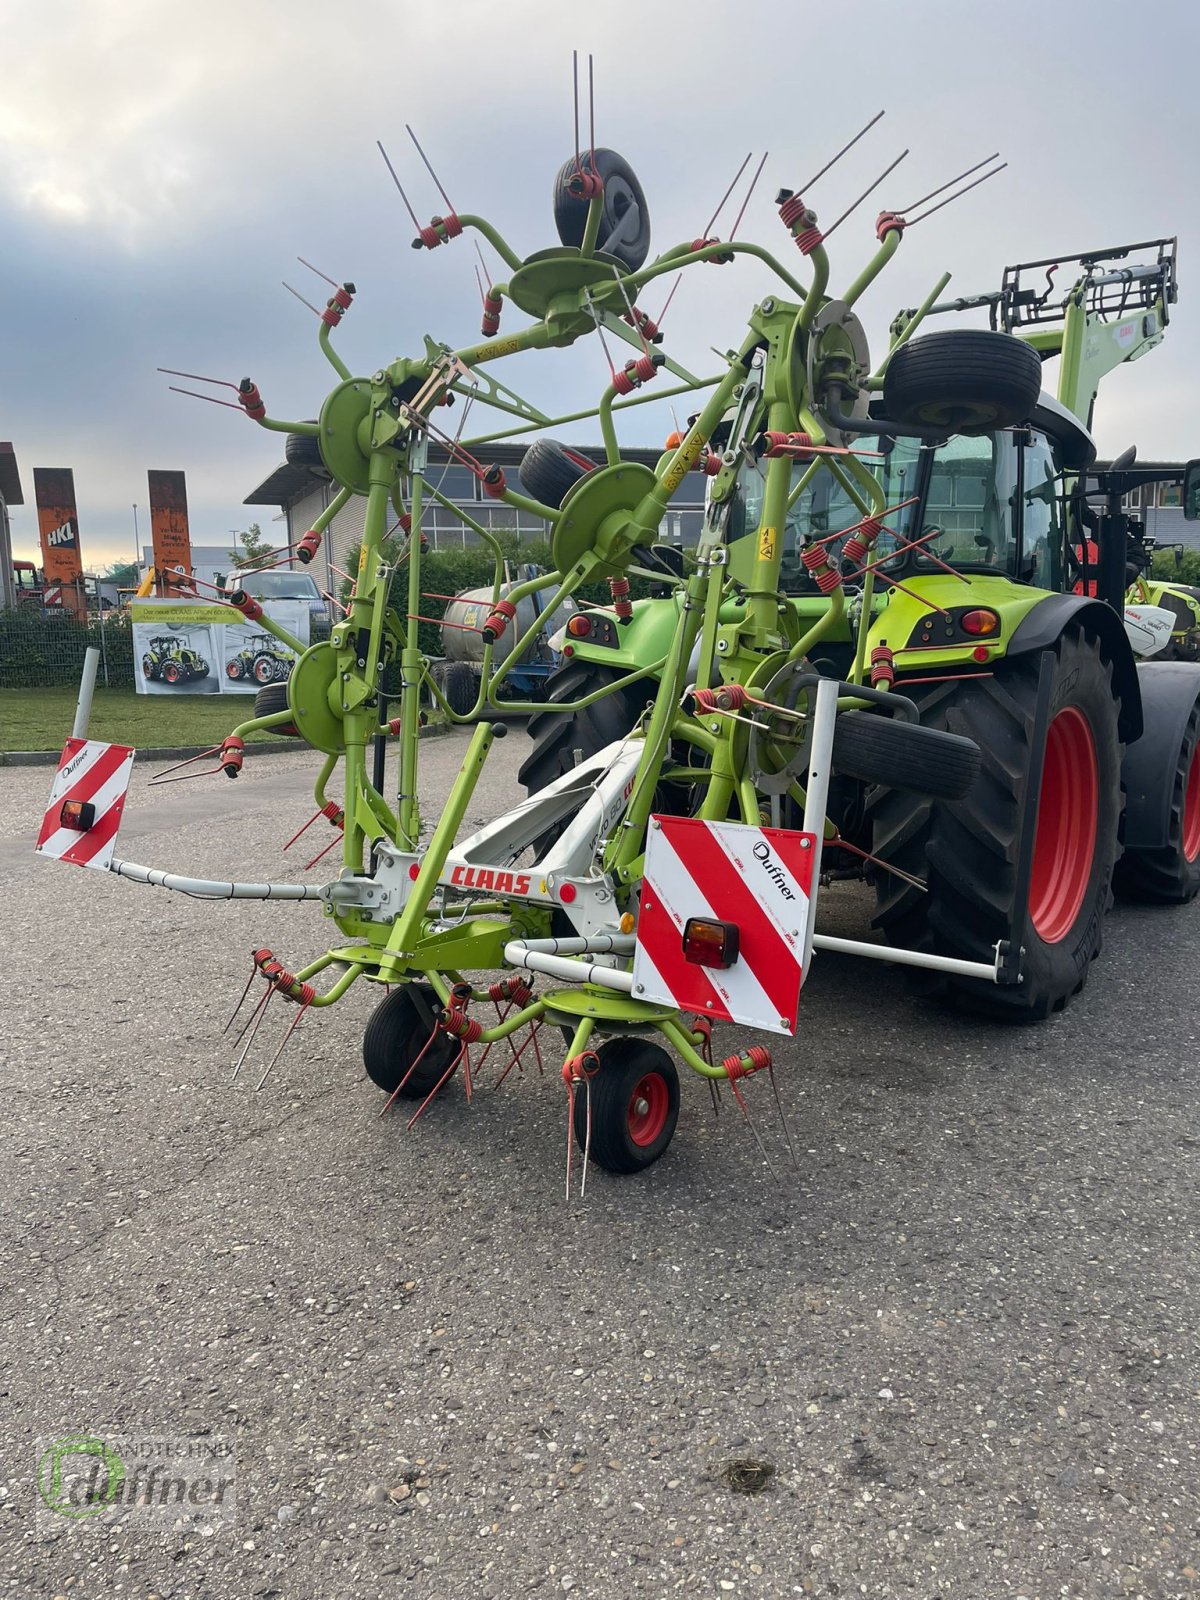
395, 1035
547, 472
304, 450
271, 698
625, 219
1171, 875
904, 755
557, 735
202, 669
460, 685
234, 671
171, 673
149, 670
263, 670
635, 1105
966, 850
965, 380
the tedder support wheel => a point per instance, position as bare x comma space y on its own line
1171, 873
635, 1105
965, 851
547, 472
397, 1032
965, 380
904, 755
273, 697
461, 688
625, 219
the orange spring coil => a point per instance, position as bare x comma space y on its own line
308, 546
758, 1056
431, 237
889, 222
457, 1023
495, 625
622, 605
251, 401
792, 209
808, 241
882, 665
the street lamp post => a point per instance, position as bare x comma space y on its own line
137, 544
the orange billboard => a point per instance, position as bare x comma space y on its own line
58, 526
169, 531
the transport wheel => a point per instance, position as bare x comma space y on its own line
270, 699
1171, 874
264, 670
461, 688
904, 755
547, 472
635, 1105
965, 380
171, 673
304, 450
625, 219
965, 851
397, 1031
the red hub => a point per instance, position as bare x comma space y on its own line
647, 1110
1065, 843
1191, 808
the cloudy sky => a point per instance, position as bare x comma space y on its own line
163, 165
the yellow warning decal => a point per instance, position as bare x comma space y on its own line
768, 543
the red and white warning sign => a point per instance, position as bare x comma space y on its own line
757, 879
86, 802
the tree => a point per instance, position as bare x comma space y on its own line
255, 550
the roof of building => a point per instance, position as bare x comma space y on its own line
10, 478
288, 483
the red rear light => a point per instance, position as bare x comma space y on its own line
980, 622
77, 814
579, 627
708, 943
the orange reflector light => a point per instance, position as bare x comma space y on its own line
77, 814
579, 627
628, 922
979, 622
707, 943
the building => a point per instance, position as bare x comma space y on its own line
10, 495
302, 496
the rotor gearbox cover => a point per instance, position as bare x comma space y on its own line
837, 353
308, 691
597, 519
345, 410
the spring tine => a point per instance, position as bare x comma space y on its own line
737, 221
300, 297
258, 1014
429, 168
412, 1068
841, 153
437, 1087
737, 1095
304, 829
783, 1118
715, 1093
332, 281
241, 1002
709, 224
915, 204
211, 398
196, 377
587, 1135
592, 110
959, 195
407, 205
854, 205
570, 1133
293, 1025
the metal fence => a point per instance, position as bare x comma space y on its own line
44, 649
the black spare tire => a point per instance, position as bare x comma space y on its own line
625, 220
965, 380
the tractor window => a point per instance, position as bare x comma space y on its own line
1041, 534
972, 503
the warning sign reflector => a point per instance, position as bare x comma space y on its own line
86, 802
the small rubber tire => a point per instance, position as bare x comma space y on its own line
625, 219
635, 1105
394, 1036
547, 472
460, 685
273, 697
303, 450
1170, 874
963, 380
263, 670
904, 755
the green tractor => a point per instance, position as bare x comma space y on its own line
260, 660
995, 602
170, 658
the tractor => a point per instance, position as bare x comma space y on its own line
259, 659
171, 659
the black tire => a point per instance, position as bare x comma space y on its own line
263, 670
625, 220
304, 450
964, 380
1170, 875
460, 685
904, 755
635, 1105
396, 1032
234, 670
547, 472
966, 850
273, 697
171, 673
557, 735
149, 670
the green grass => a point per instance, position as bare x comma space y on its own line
40, 719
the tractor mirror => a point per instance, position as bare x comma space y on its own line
1191, 491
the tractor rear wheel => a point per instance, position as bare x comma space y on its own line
398, 1030
273, 697
557, 735
1171, 874
634, 1103
460, 685
264, 669
965, 851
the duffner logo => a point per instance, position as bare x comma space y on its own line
61, 536
491, 878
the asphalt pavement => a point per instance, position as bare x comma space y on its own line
955, 1352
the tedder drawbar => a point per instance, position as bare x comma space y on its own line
927, 703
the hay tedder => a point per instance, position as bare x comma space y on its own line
873, 664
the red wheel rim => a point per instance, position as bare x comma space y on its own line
1191, 808
1065, 843
647, 1112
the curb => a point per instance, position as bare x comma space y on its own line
276, 747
